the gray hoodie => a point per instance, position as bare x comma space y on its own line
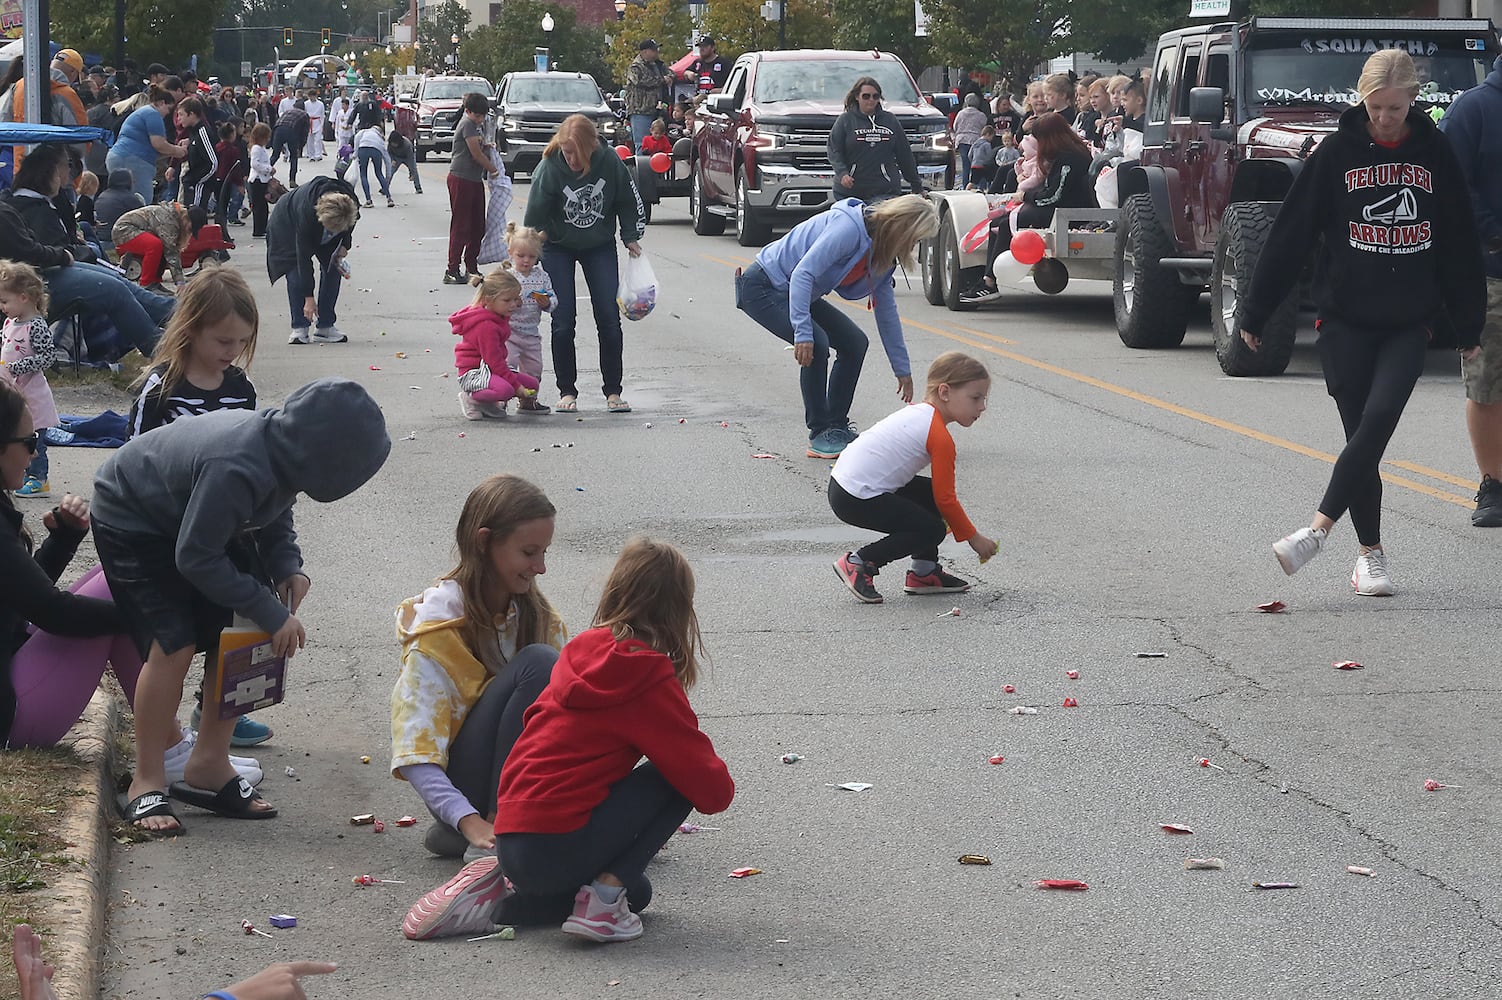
204, 481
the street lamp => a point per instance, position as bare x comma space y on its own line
620, 10
454, 59
547, 23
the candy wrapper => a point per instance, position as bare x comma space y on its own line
283, 920
1358, 870
791, 758
1062, 883
745, 872
1175, 828
1022, 710
998, 759
1203, 864
1272, 608
1430, 785
974, 859
638, 292
1347, 665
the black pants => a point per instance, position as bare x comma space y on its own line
639, 814
284, 139
909, 518
1370, 374
491, 728
259, 210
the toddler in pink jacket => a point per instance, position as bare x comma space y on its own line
486, 378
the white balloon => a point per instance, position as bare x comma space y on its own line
1007, 270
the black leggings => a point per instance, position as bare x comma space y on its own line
624, 832
909, 518
492, 727
1370, 374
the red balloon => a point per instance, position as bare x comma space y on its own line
624, 152
661, 162
1027, 247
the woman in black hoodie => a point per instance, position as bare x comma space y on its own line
869, 150
1398, 246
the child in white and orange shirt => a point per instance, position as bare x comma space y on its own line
875, 484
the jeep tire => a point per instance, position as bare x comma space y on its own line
705, 223
956, 278
931, 277
750, 231
1152, 305
646, 187
1243, 233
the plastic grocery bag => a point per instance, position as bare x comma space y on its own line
638, 291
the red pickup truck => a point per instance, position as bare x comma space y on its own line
761, 146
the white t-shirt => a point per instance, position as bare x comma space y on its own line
370, 138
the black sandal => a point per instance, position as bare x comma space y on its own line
149, 804
232, 801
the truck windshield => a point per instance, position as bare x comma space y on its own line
564, 92
830, 80
453, 90
1292, 70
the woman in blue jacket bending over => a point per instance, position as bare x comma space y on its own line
852, 249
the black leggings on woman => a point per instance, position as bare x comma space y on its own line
492, 727
639, 814
1370, 374
909, 518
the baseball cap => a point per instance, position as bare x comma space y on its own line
70, 58
648, 43
156, 68
706, 40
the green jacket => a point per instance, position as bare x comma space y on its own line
576, 210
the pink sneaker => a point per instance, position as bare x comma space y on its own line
462, 905
601, 921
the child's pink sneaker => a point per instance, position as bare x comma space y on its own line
598, 920
462, 905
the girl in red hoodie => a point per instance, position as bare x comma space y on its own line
486, 378
576, 812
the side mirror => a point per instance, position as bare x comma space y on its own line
721, 104
1207, 106
406, 98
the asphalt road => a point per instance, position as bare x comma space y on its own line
1135, 495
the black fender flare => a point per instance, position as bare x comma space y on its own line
1148, 180
646, 178
1265, 179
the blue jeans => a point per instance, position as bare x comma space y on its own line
964, 150
136, 313
641, 127
328, 278
142, 173
828, 391
369, 156
603, 278
39, 466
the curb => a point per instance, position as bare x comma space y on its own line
77, 911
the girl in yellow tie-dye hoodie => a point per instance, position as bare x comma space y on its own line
477, 649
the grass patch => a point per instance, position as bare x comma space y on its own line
85, 377
36, 787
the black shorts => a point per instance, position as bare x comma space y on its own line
159, 605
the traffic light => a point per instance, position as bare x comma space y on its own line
287, 37
326, 37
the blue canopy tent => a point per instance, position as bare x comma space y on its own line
26, 134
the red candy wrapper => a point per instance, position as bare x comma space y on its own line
1009, 689
745, 872
1071, 703
378, 826
1073, 675
998, 759
1347, 665
1062, 883
1430, 785
407, 821
1175, 828
1272, 608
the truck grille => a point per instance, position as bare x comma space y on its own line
445, 120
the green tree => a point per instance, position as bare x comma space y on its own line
738, 26
169, 34
881, 24
444, 21
668, 21
1012, 35
508, 45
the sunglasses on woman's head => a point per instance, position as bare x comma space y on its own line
30, 441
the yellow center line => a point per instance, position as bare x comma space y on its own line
1184, 411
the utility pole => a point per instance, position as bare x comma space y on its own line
119, 33
782, 24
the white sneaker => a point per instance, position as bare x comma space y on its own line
492, 411
176, 761
1370, 575
469, 407
329, 335
299, 336
1298, 548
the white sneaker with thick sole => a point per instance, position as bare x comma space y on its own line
462, 905
469, 407
299, 336
329, 335
1370, 575
597, 920
1298, 548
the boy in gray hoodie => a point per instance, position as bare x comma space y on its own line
114, 201
192, 522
